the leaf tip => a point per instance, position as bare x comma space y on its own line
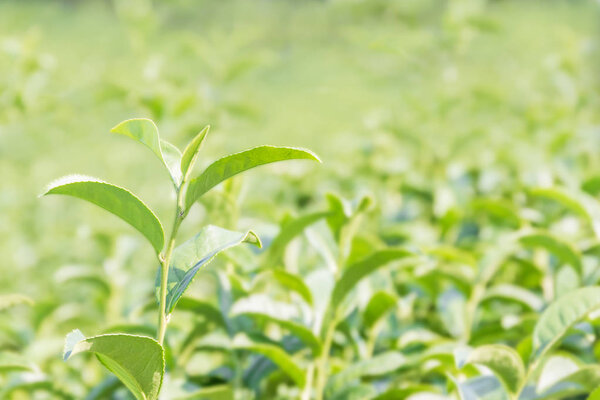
71, 340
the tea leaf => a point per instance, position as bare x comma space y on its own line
198, 251
561, 249
380, 304
561, 315
234, 164
503, 361
114, 199
283, 360
138, 361
354, 273
191, 152
145, 131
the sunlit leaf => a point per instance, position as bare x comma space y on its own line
145, 131
556, 320
138, 361
234, 164
114, 199
503, 361
191, 152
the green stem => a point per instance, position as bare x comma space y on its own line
163, 318
322, 366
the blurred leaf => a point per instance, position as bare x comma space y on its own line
556, 320
13, 299
379, 304
380, 364
138, 361
515, 293
581, 203
266, 312
289, 230
354, 273
234, 164
503, 361
114, 199
221, 392
561, 249
275, 354
481, 388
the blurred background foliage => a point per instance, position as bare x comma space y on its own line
424, 105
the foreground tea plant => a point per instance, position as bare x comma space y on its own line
139, 361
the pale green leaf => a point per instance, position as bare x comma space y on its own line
198, 251
579, 202
145, 131
234, 164
378, 365
11, 362
138, 361
507, 291
561, 315
503, 361
13, 299
282, 359
114, 199
191, 152
563, 250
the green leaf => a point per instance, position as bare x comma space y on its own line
481, 388
191, 152
262, 308
283, 360
561, 315
354, 273
13, 299
145, 131
595, 395
560, 248
289, 231
234, 164
578, 202
498, 209
515, 293
291, 282
378, 365
138, 361
10, 362
564, 376
198, 251
114, 199
377, 307
219, 392
503, 361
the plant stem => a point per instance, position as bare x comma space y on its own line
323, 361
164, 271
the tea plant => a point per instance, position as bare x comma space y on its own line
139, 361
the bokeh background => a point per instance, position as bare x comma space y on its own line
440, 99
